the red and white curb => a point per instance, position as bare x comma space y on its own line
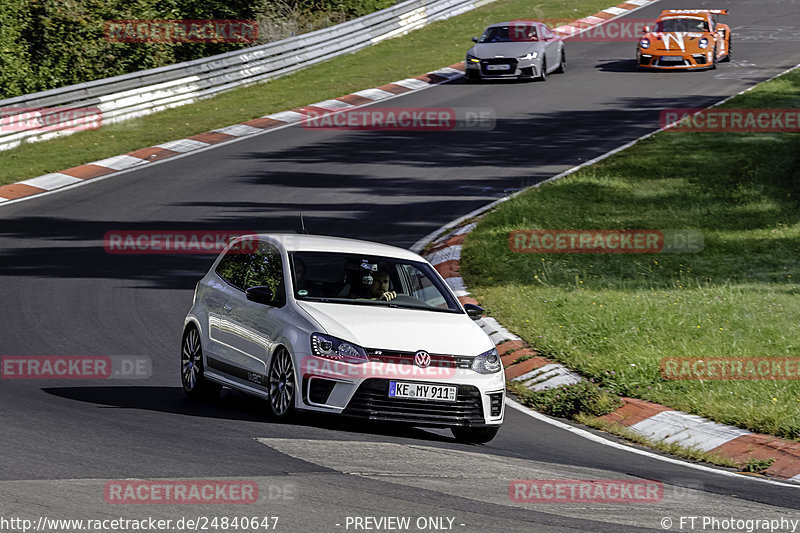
106, 167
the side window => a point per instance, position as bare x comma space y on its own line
232, 268
265, 268
422, 288
546, 33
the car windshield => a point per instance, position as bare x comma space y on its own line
368, 280
681, 24
521, 32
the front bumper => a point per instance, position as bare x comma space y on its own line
503, 67
471, 408
363, 392
660, 60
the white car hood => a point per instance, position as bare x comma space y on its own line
406, 330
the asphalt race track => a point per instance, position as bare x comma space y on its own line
63, 294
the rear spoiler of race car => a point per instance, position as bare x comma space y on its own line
687, 11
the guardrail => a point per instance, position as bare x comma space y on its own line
148, 91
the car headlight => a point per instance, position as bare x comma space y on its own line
472, 59
529, 55
644, 43
337, 349
703, 43
487, 362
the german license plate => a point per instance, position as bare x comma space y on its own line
498, 67
422, 391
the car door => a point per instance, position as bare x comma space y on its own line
551, 46
256, 325
226, 286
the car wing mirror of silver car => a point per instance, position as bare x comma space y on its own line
261, 295
474, 39
475, 312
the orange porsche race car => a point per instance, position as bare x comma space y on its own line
685, 39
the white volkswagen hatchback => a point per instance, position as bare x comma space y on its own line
342, 326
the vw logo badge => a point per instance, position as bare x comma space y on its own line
422, 359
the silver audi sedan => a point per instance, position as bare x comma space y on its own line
519, 49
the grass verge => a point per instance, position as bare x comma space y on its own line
439, 44
613, 317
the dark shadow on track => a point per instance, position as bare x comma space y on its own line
231, 405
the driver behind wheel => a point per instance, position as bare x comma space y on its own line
379, 290
376, 286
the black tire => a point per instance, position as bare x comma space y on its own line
562, 65
543, 75
194, 382
281, 383
714, 59
728, 57
474, 435
471, 77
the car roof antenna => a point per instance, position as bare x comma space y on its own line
303, 224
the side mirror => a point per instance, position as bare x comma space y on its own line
646, 29
261, 295
474, 39
475, 312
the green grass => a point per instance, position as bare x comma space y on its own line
435, 46
613, 317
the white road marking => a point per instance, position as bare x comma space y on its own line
51, 181
119, 162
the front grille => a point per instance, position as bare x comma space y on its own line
679, 62
372, 401
407, 358
700, 59
496, 403
512, 63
